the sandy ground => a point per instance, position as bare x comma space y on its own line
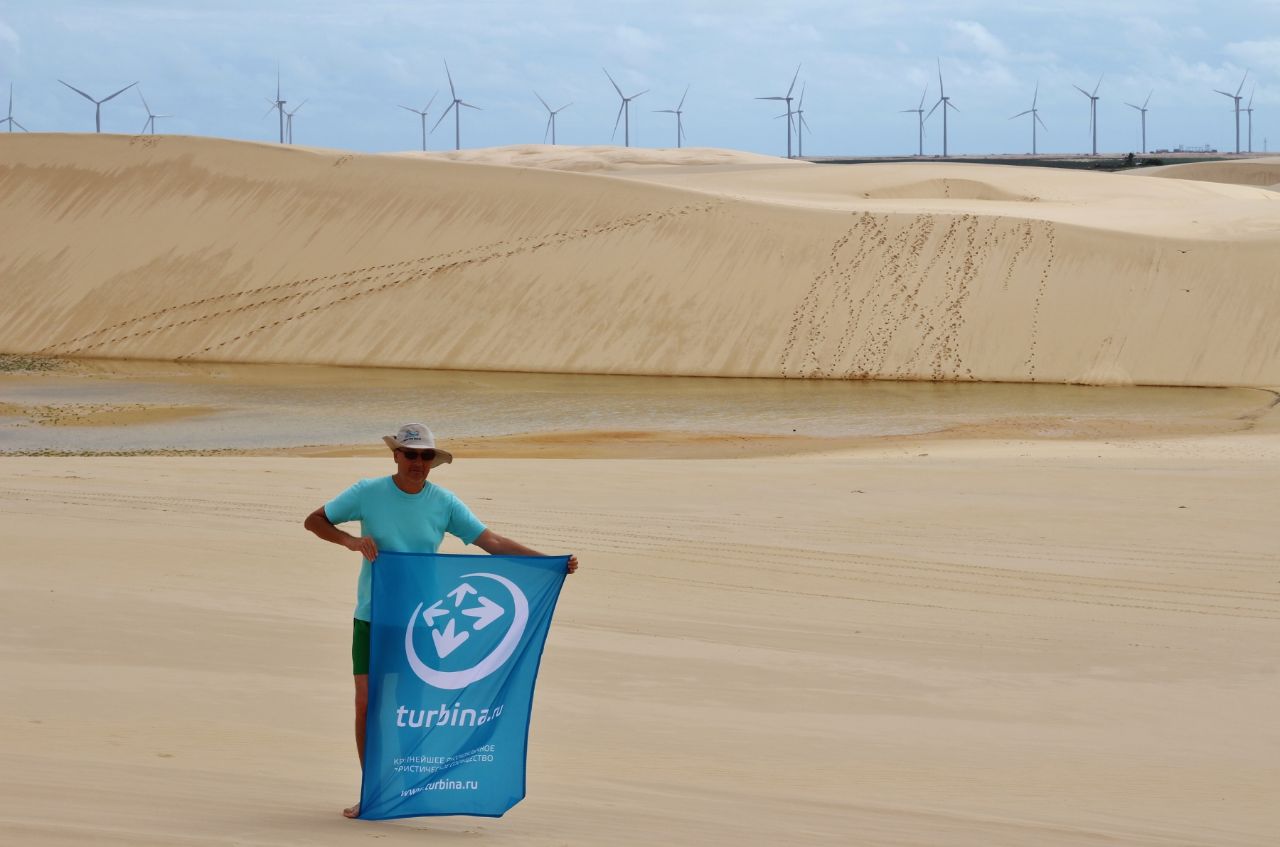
204, 249
961, 642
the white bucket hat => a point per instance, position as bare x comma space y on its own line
416, 436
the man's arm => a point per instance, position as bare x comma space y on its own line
318, 523
498, 545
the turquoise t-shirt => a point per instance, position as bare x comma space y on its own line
399, 522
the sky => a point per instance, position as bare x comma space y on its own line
213, 66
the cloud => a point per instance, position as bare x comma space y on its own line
980, 39
1256, 54
9, 38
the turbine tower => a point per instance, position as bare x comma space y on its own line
454, 105
551, 118
919, 113
624, 109
1248, 110
97, 115
678, 111
1235, 99
786, 98
277, 105
1143, 111
150, 125
422, 113
12, 121
945, 102
288, 122
1035, 117
1093, 111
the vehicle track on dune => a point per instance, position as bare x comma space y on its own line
354, 284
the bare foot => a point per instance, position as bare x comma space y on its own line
351, 811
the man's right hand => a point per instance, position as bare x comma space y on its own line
365, 546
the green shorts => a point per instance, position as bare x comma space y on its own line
359, 647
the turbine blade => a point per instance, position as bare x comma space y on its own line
682, 96
1131, 106
546, 133
793, 81
1081, 90
1042, 122
637, 94
121, 91
1096, 87
407, 109
1148, 100
617, 120
565, 106
923, 94
19, 126
771, 98
1242, 79
1020, 114
429, 102
452, 105
543, 102
452, 93
469, 106
615, 85
1224, 93
78, 91
144, 102
1035, 96
666, 111
800, 104
942, 92
952, 106
931, 111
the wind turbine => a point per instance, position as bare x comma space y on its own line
1248, 109
423, 114
1236, 98
1035, 117
624, 109
801, 123
97, 115
12, 121
457, 112
151, 118
678, 111
277, 105
945, 102
288, 121
1143, 110
919, 113
786, 98
551, 118
1093, 111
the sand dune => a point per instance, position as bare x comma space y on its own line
1264, 172
183, 248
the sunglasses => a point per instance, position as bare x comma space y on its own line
417, 455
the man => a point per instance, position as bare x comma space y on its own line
407, 514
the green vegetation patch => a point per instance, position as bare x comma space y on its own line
28, 363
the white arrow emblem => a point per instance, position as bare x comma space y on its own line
448, 641
486, 613
460, 593
434, 612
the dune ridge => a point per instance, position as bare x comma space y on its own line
204, 249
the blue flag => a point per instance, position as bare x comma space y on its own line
456, 642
